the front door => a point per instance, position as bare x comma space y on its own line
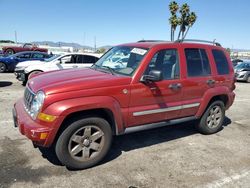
157, 101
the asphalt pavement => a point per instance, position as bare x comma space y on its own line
173, 156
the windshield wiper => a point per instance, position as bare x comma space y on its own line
110, 69
101, 67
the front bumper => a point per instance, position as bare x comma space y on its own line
20, 75
241, 76
30, 128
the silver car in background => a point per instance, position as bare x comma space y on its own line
242, 71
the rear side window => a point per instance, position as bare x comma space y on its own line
221, 62
89, 59
37, 55
197, 62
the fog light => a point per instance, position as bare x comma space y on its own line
46, 117
43, 136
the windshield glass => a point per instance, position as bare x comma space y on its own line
121, 60
241, 66
52, 58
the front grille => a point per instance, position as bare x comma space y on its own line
28, 98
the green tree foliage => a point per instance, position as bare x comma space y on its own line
6, 41
186, 19
101, 50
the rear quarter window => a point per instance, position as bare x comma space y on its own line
221, 62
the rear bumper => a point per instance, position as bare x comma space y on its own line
231, 98
30, 128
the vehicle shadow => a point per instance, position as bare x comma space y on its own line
5, 83
139, 140
152, 137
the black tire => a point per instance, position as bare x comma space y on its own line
248, 79
209, 122
24, 83
9, 51
85, 155
2, 67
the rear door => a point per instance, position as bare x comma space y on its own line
198, 79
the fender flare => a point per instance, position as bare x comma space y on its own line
63, 108
209, 95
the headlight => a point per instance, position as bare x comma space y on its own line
37, 104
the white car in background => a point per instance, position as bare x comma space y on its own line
25, 70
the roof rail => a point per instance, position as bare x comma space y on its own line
199, 41
151, 41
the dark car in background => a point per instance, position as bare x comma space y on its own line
236, 61
26, 47
9, 63
242, 71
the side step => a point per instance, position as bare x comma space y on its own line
157, 125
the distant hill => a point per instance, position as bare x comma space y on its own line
71, 44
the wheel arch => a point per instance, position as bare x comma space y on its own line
104, 113
212, 96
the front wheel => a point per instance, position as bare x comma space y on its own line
84, 143
213, 118
33, 73
248, 79
2, 67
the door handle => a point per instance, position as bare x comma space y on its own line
75, 66
175, 86
210, 82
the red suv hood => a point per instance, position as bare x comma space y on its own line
74, 79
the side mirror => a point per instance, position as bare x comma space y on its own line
153, 76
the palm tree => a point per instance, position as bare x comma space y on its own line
184, 11
186, 19
190, 22
173, 20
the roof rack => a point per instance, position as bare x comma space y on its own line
199, 41
151, 41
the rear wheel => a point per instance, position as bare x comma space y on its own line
2, 67
84, 143
212, 120
9, 51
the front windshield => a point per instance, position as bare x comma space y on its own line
51, 58
121, 60
241, 66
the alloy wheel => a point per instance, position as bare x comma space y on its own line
86, 143
214, 117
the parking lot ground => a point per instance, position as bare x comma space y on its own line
174, 156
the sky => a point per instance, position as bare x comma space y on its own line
114, 22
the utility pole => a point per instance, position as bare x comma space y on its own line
16, 37
95, 43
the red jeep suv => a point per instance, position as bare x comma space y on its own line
133, 87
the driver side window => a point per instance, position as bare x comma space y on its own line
66, 59
166, 61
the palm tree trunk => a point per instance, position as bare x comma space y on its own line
179, 34
183, 37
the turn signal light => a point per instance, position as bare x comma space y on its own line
46, 117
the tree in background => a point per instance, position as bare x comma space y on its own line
101, 50
185, 21
174, 21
